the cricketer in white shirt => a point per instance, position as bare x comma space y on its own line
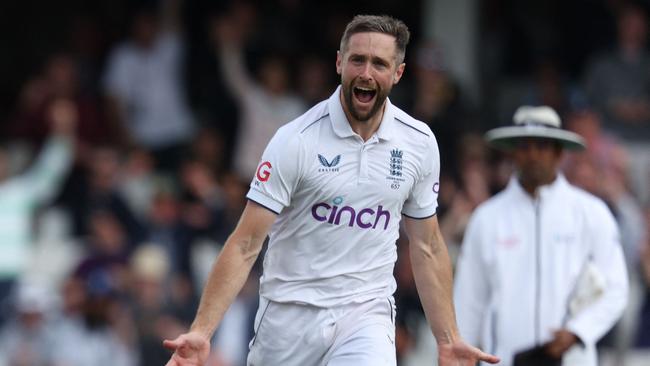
331, 189
339, 202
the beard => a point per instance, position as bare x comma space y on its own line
535, 175
380, 98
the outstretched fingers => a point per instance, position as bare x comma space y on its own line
486, 357
190, 349
174, 344
172, 362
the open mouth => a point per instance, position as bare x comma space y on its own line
364, 95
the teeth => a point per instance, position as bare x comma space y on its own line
364, 89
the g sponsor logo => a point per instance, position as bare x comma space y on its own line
263, 171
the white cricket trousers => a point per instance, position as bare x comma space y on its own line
289, 334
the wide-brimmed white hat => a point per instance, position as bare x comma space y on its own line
541, 122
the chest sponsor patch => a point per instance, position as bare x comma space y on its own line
364, 218
329, 165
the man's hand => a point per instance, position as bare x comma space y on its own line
562, 341
190, 349
460, 353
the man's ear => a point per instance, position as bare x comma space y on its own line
339, 61
398, 73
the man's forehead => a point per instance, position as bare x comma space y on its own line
375, 40
536, 142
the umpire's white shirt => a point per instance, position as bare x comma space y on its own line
339, 201
519, 263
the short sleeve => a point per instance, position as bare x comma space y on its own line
277, 173
423, 198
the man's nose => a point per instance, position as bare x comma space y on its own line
365, 73
533, 151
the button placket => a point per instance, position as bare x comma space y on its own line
363, 163
363, 158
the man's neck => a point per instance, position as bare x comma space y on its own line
365, 129
532, 188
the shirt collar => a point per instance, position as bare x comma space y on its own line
342, 127
554, 186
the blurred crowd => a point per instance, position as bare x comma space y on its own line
121, 175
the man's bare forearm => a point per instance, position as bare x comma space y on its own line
228, 275
434, 280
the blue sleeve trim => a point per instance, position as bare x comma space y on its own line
420, 218
411, 126
266, 207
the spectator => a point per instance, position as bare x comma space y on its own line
138, 182
471, 190
27, 339
164, 228
209, 148
95, 329
98, 187
21, 194
153, 313
602, 170
437, 100
265, 103
143, 82
314, 81
203, 201
108, 252
59, 79
618, 83
201, 221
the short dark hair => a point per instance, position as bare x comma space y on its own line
379, 24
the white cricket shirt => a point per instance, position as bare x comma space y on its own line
339, 201
519, 264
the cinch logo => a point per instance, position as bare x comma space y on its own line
366, 218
